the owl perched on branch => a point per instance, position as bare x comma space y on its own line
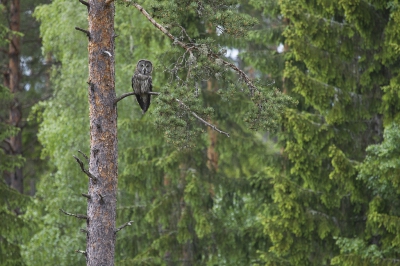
142, 83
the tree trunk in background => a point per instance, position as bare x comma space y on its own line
15, 178
101, 209
212, 155
286, 22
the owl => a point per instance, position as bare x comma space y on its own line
142, 83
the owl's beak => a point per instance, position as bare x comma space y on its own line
144, 71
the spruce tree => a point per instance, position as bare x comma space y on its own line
337, 68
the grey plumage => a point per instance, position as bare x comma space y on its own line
142, 83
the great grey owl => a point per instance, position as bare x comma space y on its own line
142, 83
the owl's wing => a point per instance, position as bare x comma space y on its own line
147, 97
150, 84
135, 84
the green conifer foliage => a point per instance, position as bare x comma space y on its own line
13, 230
340, 66
379, 172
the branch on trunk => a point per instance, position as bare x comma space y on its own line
201, 119
84, 170
84, 31
85, 3
192, 46
81, 251
86, 196
132, 93
123, 226
83, 230
84, 155
101, 197
10, 146
107, 53
79, 216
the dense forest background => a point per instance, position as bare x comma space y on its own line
310, 174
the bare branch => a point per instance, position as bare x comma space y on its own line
123, 226
79, 216
107, 53
191, 46
84, 170
81, 251
83, 230
132, 93
84, 155
85, 3
84, 31
101, 197
86, 196
182, 104
201, 119
10, 146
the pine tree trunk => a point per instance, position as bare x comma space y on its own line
212, 155
101, 210
15, 178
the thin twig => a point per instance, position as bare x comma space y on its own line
183, 31
189, 47
84, 31
84, 170
181, 103
201, 119
84, 155
123, 226
79, 216
86, 196
132, 93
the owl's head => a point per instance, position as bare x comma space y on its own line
144, 67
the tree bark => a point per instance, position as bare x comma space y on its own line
101, 209
12, 81
212, 155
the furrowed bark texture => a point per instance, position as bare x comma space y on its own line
101, 210
15, 178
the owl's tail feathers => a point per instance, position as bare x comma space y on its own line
144, 102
